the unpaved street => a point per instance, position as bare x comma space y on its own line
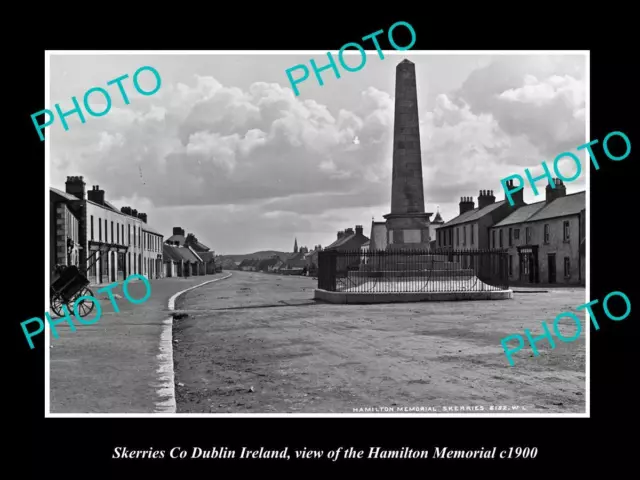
258, 343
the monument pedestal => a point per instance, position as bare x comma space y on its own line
408, 231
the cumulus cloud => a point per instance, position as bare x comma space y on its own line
235, 160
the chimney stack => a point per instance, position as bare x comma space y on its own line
75, 186
486, 198
466, 204
143, 217
518, 197
134, 213
126, 210
348, 231
557, 190
340, 234
358, 229
178, 231
96, 195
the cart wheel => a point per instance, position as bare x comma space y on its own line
56, 305
85, 307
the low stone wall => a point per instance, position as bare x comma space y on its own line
364, 298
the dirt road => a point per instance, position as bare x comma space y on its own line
258, 343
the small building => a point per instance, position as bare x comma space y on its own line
349, 240
172, 261
266, 265
183, 261
249, 265
545, 240
209, 259
470, 229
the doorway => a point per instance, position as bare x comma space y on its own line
552, 267
528, 264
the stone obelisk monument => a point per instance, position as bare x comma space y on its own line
408, 223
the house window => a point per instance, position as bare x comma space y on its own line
510, 265
567, 267
493, 238
473, 227
91, 227
566, 231
516, 234
546, 233
528, 235
106, 231
510, 237
457, 236
135, 241
112, 231
99, 230
129, 237
122, 233
451, 238
118, 233
500, 235
464, 235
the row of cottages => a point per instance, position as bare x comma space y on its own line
106, 244
542, 238
249, 265
546, 240
185, 256
311, 259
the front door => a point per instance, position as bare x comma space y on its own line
552, 267
524, 267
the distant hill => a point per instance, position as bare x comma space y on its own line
257, 255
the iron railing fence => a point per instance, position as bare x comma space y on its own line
404, 271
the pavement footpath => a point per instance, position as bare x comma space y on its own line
112, 366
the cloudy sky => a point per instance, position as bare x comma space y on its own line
225, 150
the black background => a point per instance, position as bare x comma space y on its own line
83, 447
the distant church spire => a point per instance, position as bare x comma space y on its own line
438, 218
295, 246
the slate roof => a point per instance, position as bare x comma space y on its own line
188, 255
176, 238
296, 261
169, 253
199, 247
341, 241
207, 256
571, 204
148, 228
475, 214
521, 214
64, 195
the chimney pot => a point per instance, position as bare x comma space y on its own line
96, 195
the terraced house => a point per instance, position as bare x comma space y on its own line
470, 229
546, 240
105, 243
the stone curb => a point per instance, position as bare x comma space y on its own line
165, 357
